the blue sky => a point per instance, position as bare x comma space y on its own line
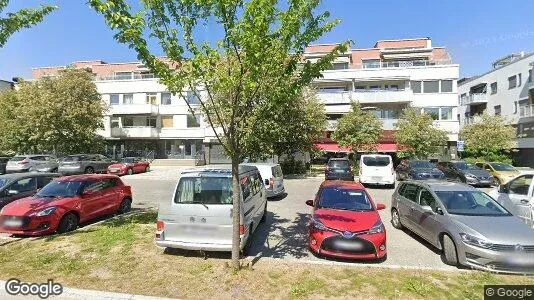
475, 32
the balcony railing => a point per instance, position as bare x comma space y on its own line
366, 96
475, 99
133, 109
402, 64
387, 124
526, 111
135, 131
132, 76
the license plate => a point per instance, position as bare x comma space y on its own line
339, 171
13, 223
375, 178
113, 170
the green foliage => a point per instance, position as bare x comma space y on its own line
491, 138
292, 166
24, 18
52, 114
358, 129
417, 137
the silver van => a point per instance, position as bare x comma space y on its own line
199, 215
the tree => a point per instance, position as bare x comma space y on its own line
488, 138
52, 114
417, 137
24, 18
257, 61
358, 129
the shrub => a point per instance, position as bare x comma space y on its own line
292, 166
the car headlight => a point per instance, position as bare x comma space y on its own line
318, 225
470, 176
377, 228
474, 241
44, 212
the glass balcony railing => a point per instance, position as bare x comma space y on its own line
132, 76
526, 111
402, 64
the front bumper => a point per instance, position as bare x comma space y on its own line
516, 262
31, 226
359, 247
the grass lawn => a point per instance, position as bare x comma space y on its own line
120, 255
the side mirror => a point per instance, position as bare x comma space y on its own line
266, 181
380, 206
12, 192
427, 209
309, 202
439, 211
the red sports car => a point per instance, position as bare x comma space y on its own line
345, 223
129, 165
64, 203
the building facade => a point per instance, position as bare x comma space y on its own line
506, 90
143, 117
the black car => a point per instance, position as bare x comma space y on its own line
467, 173
3, 163
338, 169
418, 170
20, 185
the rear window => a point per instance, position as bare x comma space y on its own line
409, 191
338, 164
204, 190
376, 161
18, 158
277, 171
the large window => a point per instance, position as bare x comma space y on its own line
416, 86
192, 98
127, 122
446, 86
494, 88
519, 79
512, 82
387, 114
166, 99
127, 98
151, 98
167, 122
151, 122
431, 86
114, 99
497, 109
446, 113
529, 76
432, 111
340, 66
115, 121
193, 121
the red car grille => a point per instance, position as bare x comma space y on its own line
353, 245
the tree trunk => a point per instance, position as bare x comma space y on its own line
236, 213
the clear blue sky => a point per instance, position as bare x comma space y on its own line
475, 32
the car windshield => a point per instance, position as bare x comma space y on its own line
502, 167
344, 199
464, 166
3, 182
470, 203
338, 164
421, 164
376, 161
205, 190
61, 189
128, 160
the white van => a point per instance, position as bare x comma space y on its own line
272, 176
199, 215
377, 169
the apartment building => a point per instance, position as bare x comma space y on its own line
506, 90
387, 78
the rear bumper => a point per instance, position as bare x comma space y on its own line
194, 246
379, 180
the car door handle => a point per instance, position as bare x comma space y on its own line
524, 201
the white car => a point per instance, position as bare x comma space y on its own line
377, 169
272, 176
517, 196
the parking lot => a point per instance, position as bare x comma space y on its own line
284, 235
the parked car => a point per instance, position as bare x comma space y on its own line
338, 169
65, 203
129, 165
199, 215
502, 173
517, 196
272, 176
377, 169
84, 163
345, 222
3, 164
418, 170
21, 185
461, 171
467, 225
26, 163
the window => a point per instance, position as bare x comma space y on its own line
394, 87
115, 121
151, 98
432, 111
192, 98
529, 76
520, 185
246, 188
374, 87
193, 121
340, 66
151, 122
109, 183
463, 98
24, 185
416, 86
123, 75
127, 122
431, 86
167, 122
446, 113
426, 199
127, 98
494, 88
371, 63
446, 86
410, 192
207, 190
497, 109
515, 107
93, 187
512, 82
519, 79
360, 88
42, 181
166, 99
114, 99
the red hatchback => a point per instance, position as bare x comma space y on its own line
129, 165
345, 223
64, 203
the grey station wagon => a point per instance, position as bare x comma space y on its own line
84, 163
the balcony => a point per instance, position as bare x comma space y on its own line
133, 109
387, 124
473, 99
135, 132
131, 76
366, 96
403, 64
526, 111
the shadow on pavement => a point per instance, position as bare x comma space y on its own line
277, 197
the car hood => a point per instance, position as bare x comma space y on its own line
477, 173
508, 230
347, 220
27, 205
507, 173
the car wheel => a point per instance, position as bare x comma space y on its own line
89, 170
264, 217
395, 219
450, 255
130, 172
147, 169
69, 222
126, 206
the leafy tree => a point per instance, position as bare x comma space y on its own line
489, 138
24, 18
52, 114
358, 129
256, 62
417, 137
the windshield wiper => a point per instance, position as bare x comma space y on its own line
200, 202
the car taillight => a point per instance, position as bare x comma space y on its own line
160, 226
23, 162
271, 183
241, 229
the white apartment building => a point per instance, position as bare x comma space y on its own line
506, 90
143, 117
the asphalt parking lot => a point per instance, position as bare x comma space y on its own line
284, 235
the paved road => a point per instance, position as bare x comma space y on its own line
284, 234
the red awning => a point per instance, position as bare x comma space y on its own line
389, 147
334, 147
